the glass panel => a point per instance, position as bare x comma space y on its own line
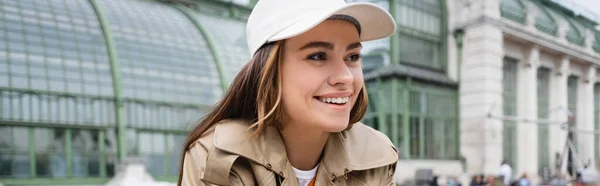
419, 51
415, 141
430, 144
176, 142
373, 95
5, 164
86, 153
400, 131
509, 92
162, 53
451, 144
572, 86
230, 37
543, 91
386, 92
541, 13
110, 145
151, 147
150, 115
420, 15
50, 152
14, 161
50, 35
597, 120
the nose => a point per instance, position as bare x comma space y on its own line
341, 74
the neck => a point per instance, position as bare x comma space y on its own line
304, 145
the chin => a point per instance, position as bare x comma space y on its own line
334, 126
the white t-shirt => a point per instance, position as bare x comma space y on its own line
304, 177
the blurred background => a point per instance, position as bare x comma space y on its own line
89, 86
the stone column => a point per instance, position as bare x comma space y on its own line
558, 109
585, 115
527, 132
481, 85
481, 94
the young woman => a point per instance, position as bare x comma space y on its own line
291, 115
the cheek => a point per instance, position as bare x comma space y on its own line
299, 83
358, 81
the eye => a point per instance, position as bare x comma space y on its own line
319, 56
353, 57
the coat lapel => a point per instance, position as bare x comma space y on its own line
358, 148
266, 149
355, 149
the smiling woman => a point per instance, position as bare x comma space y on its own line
302, 96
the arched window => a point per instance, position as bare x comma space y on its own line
513, 10
543, 20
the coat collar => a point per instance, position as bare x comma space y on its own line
358, 148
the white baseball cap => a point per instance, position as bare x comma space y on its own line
274, 20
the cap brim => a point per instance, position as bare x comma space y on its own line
375, 22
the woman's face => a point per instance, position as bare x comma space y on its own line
322, 76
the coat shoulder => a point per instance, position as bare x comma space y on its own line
361, 142
204, 163
360, 130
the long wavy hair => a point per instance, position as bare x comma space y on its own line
255, 96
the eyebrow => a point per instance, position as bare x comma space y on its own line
318, 44
327, 45
353, 46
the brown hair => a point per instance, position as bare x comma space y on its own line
255, 96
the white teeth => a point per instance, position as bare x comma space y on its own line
339, 100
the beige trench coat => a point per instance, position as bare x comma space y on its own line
227, 155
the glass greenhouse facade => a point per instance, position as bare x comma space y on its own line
86, 83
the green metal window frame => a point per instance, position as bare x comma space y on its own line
510, 12
370, 117
596, 45
166, 155
509, 94
572, 90
211, 44
116, 76
546, 23
21, 98
543, 104
597, 121
546, 27
574, 35
421, 119
69, 176
439, 41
